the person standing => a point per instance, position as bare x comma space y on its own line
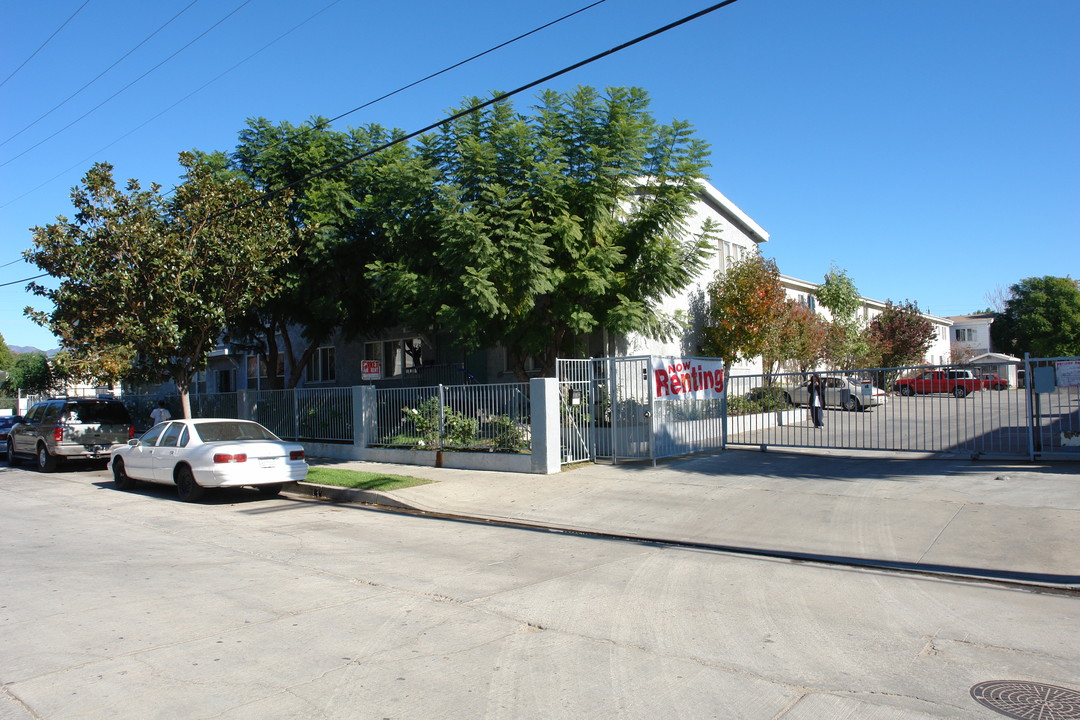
817, 401
159, 414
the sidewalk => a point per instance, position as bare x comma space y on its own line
985, 518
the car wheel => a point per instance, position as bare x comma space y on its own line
999, 386
959, 393
120, 477
46, 461
12, 459
186, 487
787, 399
907, 390
271, 489
850, 403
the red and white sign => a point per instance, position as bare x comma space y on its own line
371, 370
690, 378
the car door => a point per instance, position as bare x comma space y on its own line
139, 461
168, 451
834, 391
23, 437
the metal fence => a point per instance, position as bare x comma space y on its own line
609, 411
461, 417
867, 411
313, 414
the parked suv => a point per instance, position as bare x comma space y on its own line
69, 429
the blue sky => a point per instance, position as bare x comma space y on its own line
929, 148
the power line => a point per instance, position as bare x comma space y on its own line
307, 130
181, 100
16, 282
64, 24
447, 69
498, 97
91, 110
124, 57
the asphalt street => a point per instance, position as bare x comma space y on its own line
134, 605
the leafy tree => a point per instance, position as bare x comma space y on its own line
7, 358
146, 282
747, 305
1041, 317
336, 225
848, 346
900, 335
800, 337
31, 373
541, 228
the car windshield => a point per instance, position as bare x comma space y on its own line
232, 430
97, 413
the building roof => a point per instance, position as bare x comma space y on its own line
974, 317
719, 202
795, 283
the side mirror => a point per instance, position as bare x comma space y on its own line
134, 442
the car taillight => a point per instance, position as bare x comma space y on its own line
296, 455
131, 433
230, 458
58, 434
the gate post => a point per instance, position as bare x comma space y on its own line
546, 436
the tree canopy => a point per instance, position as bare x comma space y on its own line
537, 229
147, 281
336, 215
1041, 317
747, 305
900, 335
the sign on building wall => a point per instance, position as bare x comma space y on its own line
687, 378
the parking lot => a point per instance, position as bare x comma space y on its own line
985, 423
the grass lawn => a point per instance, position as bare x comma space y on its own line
362, 480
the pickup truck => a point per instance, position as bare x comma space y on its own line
959, 383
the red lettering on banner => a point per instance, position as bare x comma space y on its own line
662, 383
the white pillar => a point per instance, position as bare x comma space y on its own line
546, 435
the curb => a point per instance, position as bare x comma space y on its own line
336, 493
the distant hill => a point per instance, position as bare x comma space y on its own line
23, 349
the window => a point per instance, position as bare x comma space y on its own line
399, 356
257, 375
965, 334
321, 368
172, 435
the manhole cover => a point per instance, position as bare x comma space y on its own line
1028, 700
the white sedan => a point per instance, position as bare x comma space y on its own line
208, 453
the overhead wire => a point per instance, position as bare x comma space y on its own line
181, 100
338, 117
496, 98
47, 40
118, 92
68, 99
545, 26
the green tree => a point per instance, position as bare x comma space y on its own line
146, 282
847, 346
746, 308
7, 358
542, 228
800, 338
31, 373
1041, 317
900, 335
336, 217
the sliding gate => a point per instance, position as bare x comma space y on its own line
640, 408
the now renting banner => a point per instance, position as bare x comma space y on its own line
675, 378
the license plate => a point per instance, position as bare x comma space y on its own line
267, 463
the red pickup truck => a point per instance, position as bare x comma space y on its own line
959, 383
